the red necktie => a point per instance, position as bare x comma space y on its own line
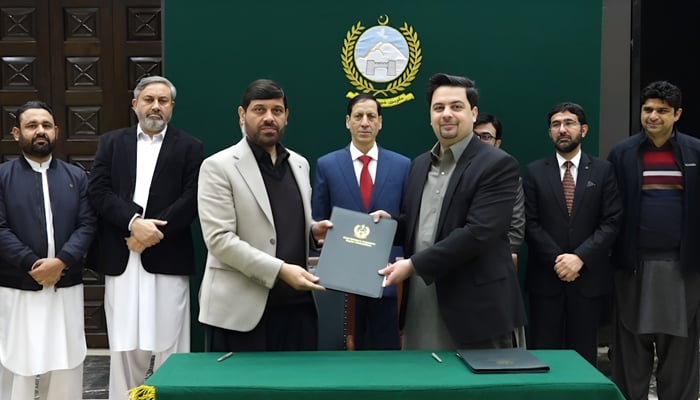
569, 186
366, 183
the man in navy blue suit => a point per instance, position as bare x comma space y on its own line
339, 183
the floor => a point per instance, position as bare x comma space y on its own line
96, 376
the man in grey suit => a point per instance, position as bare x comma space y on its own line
255, 211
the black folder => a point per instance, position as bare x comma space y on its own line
501, 361
354, 250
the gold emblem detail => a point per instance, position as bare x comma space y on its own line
360, 79
361, 231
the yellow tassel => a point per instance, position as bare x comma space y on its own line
143, 392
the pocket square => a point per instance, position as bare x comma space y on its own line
690, 165
590, 184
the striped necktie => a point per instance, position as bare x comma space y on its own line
569, 186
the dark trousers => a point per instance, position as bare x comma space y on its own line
376, 324
677, 374
566, 321
282, 328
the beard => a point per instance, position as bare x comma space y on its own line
154, 125
32, 148
571, 145
447, 134
264, 139
150, 124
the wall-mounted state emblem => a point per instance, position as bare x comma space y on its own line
381, 60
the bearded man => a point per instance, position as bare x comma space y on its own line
143, 185
254, 205
573, 213
46, 227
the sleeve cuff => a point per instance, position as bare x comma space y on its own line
133, 219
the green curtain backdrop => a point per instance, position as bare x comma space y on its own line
524, 56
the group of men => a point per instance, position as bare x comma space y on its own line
131, 218
461, 216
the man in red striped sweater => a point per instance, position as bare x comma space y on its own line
657, 254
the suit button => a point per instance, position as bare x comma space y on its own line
272, 241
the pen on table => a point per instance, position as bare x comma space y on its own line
225, 356
436, 357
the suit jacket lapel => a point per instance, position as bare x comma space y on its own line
248, 167
414, 193
347, 170
383, 172
460, 169
169, 143
129, 143
301, 176
582, 177
553, 174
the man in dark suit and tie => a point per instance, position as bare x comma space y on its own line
573, 212
345, 179
143, 185
462, 288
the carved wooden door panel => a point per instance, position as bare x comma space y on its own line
83, 57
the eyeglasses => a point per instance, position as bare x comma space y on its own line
568, 124
485, 136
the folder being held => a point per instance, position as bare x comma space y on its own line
354, 250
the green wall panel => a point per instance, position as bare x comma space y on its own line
524, 57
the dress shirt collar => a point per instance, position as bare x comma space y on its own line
38, 167
576, 160
141, 135
457, 149
373, 152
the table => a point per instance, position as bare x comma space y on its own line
371, 375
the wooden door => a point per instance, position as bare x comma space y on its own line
83, 57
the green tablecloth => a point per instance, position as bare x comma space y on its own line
369, 375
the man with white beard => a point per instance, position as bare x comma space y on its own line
143, 186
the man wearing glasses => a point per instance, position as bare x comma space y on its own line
488, 128
573, 214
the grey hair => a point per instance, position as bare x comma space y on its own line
145, 81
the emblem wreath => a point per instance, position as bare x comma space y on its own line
399, 84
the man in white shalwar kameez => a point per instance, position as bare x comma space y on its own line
143, 185
46, 227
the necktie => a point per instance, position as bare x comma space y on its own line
569, 186
366, 183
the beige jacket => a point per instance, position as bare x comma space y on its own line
239, 232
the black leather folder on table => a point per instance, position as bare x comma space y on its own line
354, 250
501, 361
